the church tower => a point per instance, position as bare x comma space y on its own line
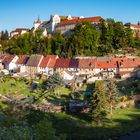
37, 23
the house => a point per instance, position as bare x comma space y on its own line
19, 31
67, 75
47, 64
66, 26
135, 28
61, 65
2, 56
9, 62
21, 63
128, 66
32, 65
86, 66
107, 69
67, 68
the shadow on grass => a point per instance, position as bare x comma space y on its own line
81, 128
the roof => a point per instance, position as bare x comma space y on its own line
86, 63
130, 63
48, 61
103, 59
62, 63
132, 25
73, 63
20, 30
2, 56
52, 61
34, 60
22, 59
106, 64
74, 21
44, 62
8, 59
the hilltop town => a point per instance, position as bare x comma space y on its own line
70, 78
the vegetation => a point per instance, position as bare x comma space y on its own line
25, 122
86, 40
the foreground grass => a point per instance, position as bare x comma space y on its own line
78, 126
14, 87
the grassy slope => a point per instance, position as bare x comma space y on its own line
76, 127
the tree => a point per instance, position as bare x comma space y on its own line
15, 132
84, 40
47, 88
44, 131
111, 94
58, 43
4, 35
99, 102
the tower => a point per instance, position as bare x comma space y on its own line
37, 23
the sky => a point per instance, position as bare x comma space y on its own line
22, 13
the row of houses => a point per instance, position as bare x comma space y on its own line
91, 68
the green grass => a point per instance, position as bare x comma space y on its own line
79, 127
13, 87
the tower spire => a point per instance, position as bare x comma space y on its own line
38, 19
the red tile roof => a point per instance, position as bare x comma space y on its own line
74, 21
73, 63
133, 25
52, 61
8, 59
22, 59
62, 63
130, 63
86, 63
48, 61
107, 64
19, 30
44, 62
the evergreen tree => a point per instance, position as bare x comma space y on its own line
100, 102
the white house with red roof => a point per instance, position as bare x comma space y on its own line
64, 24
135, 28
47, 64
19, 31
21, 63
9, 62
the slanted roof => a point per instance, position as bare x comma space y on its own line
73, 63
130, 63
34, 60
52, 61
22, 59
106, 64
62, 63
44, 62
8, 59
103, 59
86, 63
74, 21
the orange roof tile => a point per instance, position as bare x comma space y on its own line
73, 21
86, 63
106, 64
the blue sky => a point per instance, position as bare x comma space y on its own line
22, 13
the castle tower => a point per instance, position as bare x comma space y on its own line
37, 23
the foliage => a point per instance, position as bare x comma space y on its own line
112, 93
85, 40
100, 103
